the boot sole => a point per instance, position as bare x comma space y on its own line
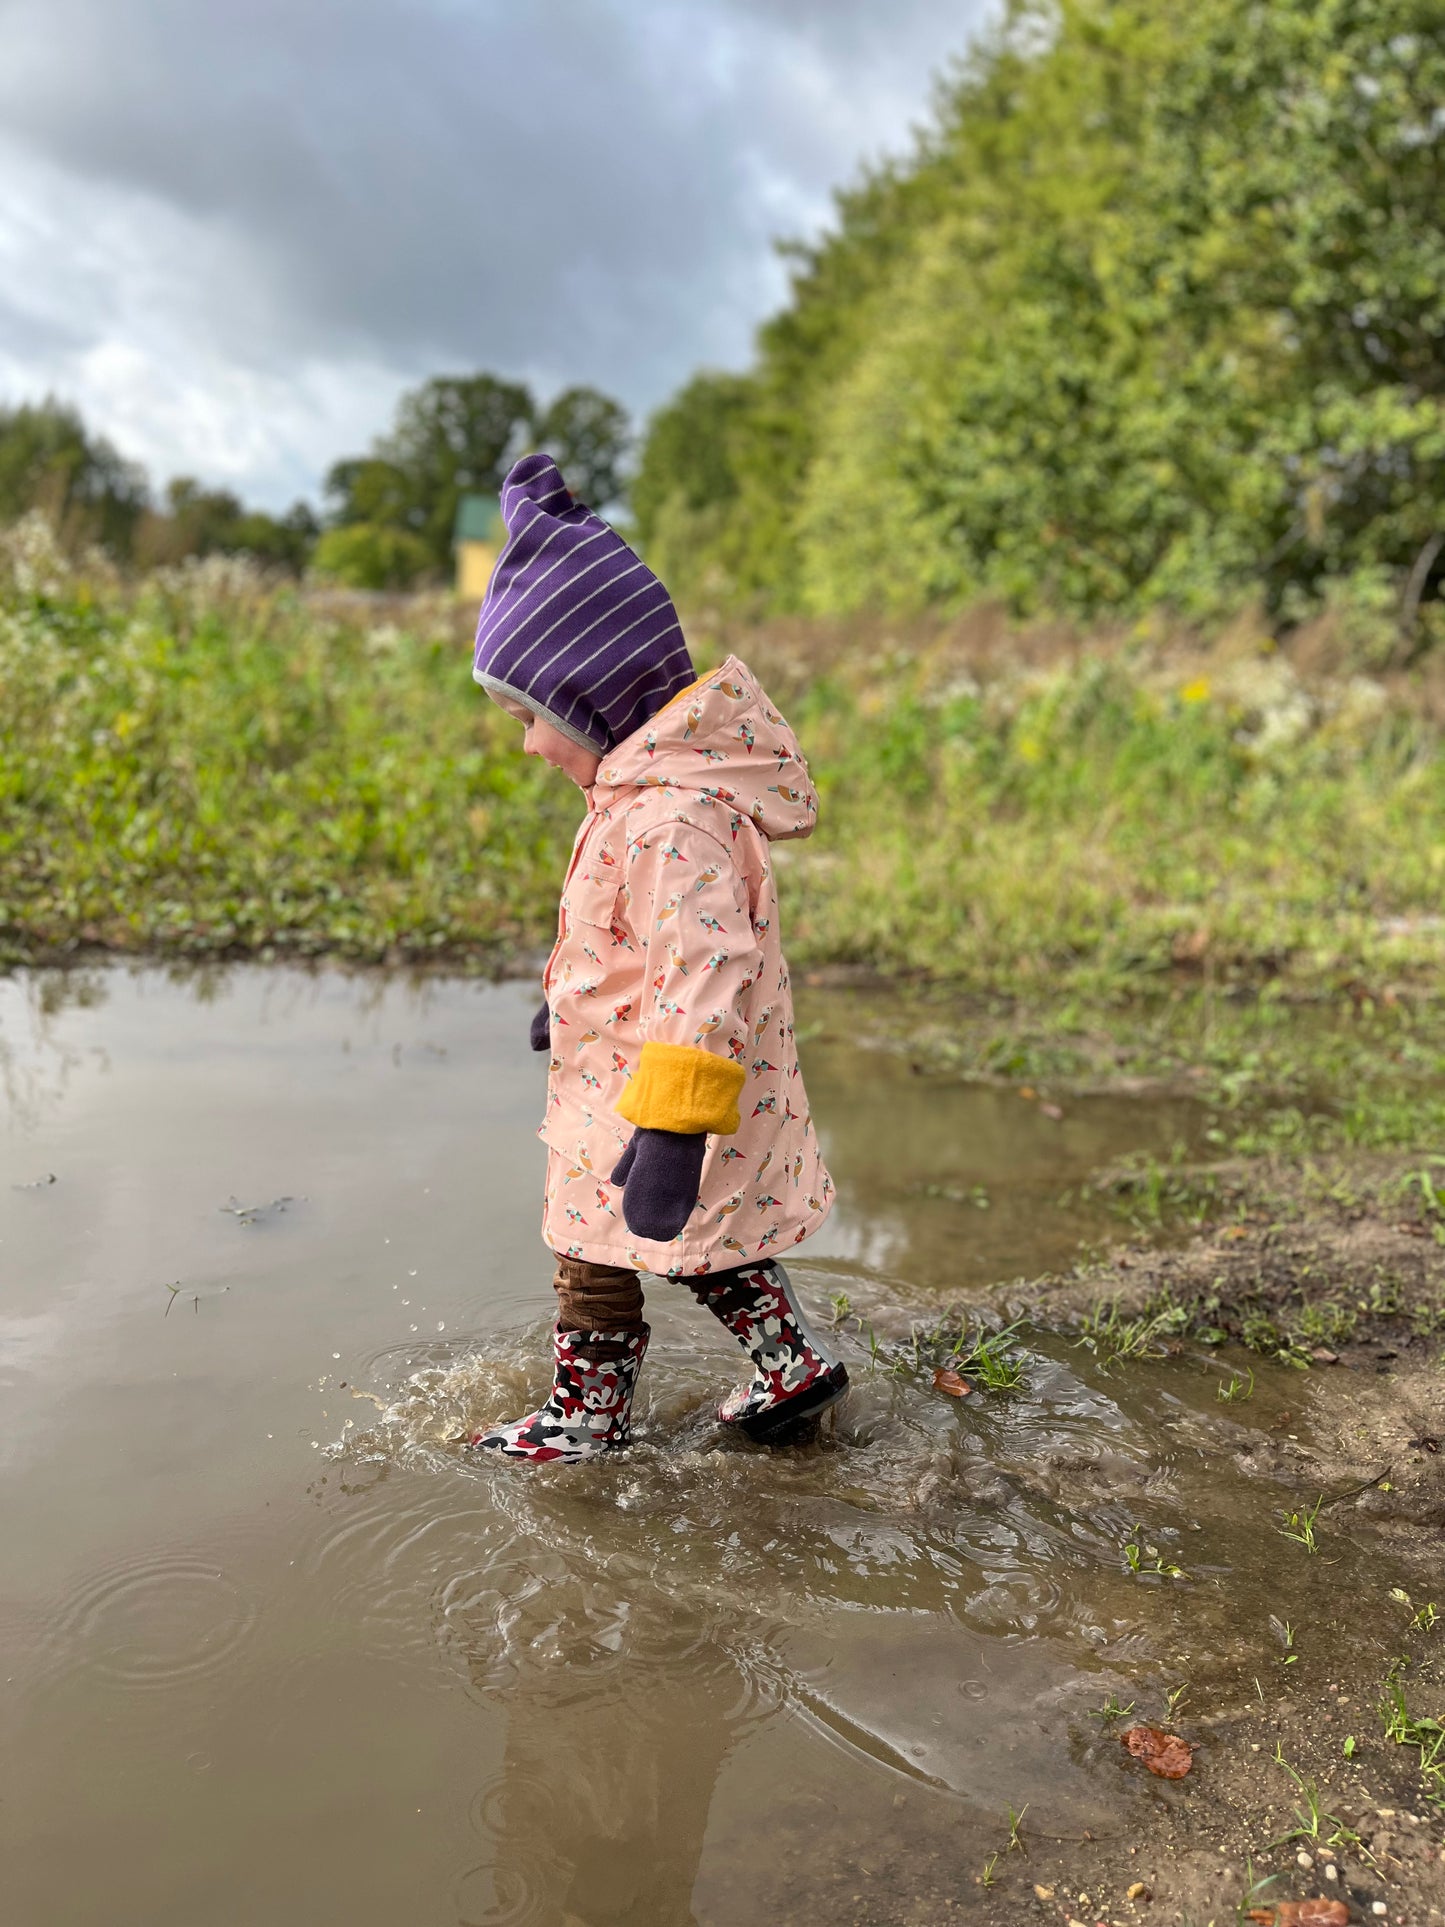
775, 1427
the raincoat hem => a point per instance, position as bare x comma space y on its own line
640, 1254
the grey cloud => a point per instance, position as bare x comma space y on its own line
575, 190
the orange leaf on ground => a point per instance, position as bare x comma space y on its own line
1303, 1913
950, 1382
1163, 1753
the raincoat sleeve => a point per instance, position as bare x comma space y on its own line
688, 907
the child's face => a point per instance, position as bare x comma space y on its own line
561, 752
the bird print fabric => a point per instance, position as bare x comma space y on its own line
668, 933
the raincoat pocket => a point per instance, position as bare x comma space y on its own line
592, 899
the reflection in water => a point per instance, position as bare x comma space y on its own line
932, 1598
898, 1592
276, 1636
598, 1814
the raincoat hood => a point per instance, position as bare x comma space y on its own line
721, 744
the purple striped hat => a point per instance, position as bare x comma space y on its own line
575, 627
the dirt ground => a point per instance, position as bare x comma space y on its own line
1326, 1256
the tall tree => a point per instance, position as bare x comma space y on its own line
201, 521
1152, 316
589, 435
365, 488
49, 461
454, 436
685, 491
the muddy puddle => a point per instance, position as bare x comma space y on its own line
276, 1647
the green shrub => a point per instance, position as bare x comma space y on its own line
368, 555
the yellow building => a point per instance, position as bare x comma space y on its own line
477, 537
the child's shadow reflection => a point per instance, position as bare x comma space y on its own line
598, 1815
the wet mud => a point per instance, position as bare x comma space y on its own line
279, 1646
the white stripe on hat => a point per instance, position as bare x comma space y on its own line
601, 589
638, 681
612, 608
592, 696
531, 584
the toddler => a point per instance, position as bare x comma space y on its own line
679, 1139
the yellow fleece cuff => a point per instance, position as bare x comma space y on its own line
678, 1088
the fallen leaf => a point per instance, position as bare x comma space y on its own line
1138, 1891
1163, 1753
950, 1382
1303, 1913
1053, 1111
1322, 1355
1044, 1893
1027, 1090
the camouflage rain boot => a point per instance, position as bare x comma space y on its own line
795, 1375
588, 1411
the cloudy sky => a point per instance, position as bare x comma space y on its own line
233, 230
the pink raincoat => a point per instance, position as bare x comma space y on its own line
668, 934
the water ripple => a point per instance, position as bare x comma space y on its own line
154, 1622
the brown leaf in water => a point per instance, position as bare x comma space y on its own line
1303, 1913
950, 1382
1163, 1753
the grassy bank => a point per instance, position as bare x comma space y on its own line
204, 765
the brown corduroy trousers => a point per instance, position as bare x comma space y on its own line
596, 1298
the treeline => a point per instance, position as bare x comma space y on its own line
391, 512
1153, 316
388, 515
50, 460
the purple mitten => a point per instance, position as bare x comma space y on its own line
660, 1172
542, 1029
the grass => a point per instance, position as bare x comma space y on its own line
992, 1359
1422, 1618
1271, 1071
198, 767
1428, 1188
1300, 1525
1312, 1820
1427, 1736
1256, 1892
1107, 1332
1112, 1710
1149, 1192
1092, 828
1140, 1557
202, 765
1015, 1835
